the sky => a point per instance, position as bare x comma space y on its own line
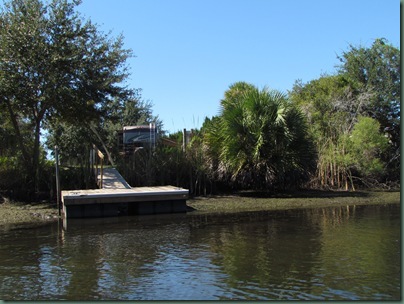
188, 52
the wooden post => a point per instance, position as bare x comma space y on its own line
57, 179
101, 156
96, 169
92, 163
101, 174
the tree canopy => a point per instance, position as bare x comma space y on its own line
55, 67
377, 71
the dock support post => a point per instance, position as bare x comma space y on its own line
101, 173
57, 179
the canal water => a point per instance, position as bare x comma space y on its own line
342, 253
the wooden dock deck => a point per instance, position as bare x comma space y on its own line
117, 198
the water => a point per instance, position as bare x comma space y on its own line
344, 253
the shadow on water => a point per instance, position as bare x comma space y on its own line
193, 219
197, 220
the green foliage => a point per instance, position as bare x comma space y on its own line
260, 140
366, 86
73, 141
9, 175
55, 68
378, 70
367, 145
331, 105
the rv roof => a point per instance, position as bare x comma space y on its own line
128, 128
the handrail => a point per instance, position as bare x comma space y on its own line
101, 156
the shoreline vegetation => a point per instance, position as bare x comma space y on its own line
17, 215
253, 201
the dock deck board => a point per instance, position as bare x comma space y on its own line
93, 196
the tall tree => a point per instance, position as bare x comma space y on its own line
365, 85
55, 66
377, 69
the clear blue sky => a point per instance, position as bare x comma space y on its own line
188, 52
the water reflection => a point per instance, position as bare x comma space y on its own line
318, 254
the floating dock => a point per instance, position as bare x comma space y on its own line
116, 198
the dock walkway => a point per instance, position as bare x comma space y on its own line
111, 179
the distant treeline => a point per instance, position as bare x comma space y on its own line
62, 84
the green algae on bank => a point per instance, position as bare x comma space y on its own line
16, 215
250, 201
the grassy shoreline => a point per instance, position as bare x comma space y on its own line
14, 215
308, 199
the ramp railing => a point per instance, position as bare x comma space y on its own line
98, 158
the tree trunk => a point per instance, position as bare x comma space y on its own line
35, 159
338, 177
17, 130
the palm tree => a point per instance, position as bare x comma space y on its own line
260, 139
